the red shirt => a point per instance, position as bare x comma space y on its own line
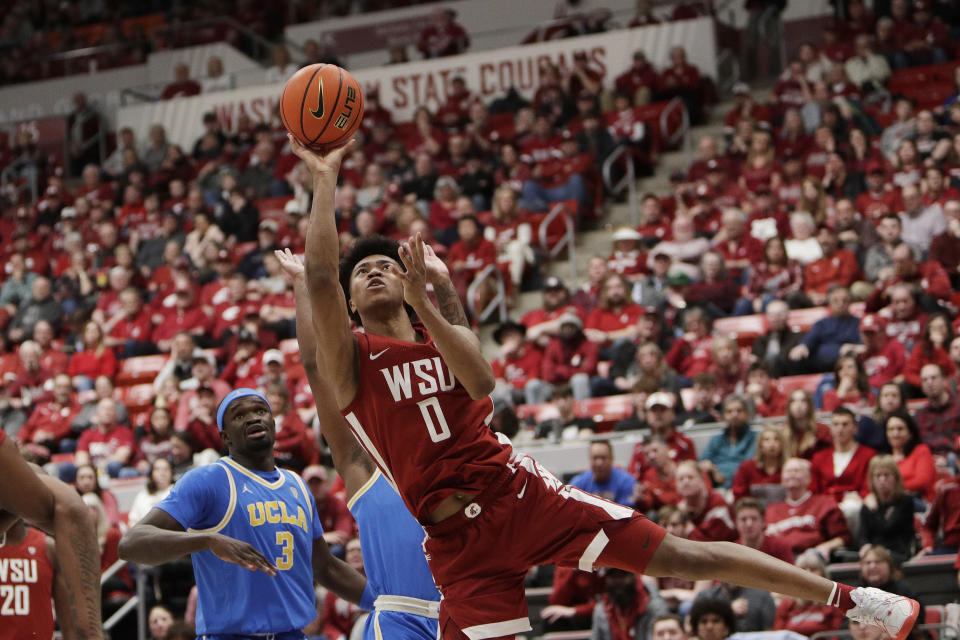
874, 205
917, 360
748, 474
521, 367
335, 516
51, 417
659, 490
808, 522
475, 257
637, 76
93, 364
137, 328
689, 359
338, 616
561, 361
909, 330
807, 618
627, 263
775, 405
855, 400
776, 547
944, 516
840, 268
100, 446
852, 478
176, 321
448, 41
26, 585
886, 364
714, 522
539, 316
405, 414
685, 76
294, 440
577, 589
681, 448
183, 89
614, 319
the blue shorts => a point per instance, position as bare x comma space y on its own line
396, 625
286, 635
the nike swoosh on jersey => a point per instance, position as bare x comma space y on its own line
522, 491
318, 112
374, 356
647, 543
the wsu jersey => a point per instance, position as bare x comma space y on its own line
26, 585
411, 415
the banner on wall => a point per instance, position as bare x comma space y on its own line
405, 87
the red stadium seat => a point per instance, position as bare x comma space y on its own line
140, 369
745, 329
803, 319
606, 411
789, 384
273, 208
137, 397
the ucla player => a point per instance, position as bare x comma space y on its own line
407, 602
253, 531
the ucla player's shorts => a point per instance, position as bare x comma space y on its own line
384, 624
286, 635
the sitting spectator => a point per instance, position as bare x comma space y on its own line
712, 619
739, 249
768, 400
48, 429
709, 512
941, 528
685, 248
469, 255
159, 483
776, 277
749, 516
18, 284
612, 326
294, 446
854, 231
802, 246
804, 616
571, 357
338, 524
216, 79
716, 291
627, 259
442, 37
771, 348
930, 276
108, 446
706, 401
118, 588
878, 261
905, 318
572, 599
87, 482
867, 70
886, 517
603, 479
931, 349
559, 422
840, 471
639, 81
878, 569
806, 520
682, 80
159, 623
754, 608
807, 433
656, 485
181, 453
94, 359
511, 233
728, 450
626, 607
517, 368
912, 456
202, 423
647, 369
921, 223
660, 415
852, 386
690, 353
883, 358
819, 348
759, 476
157, 442
543, 322
202, 369
939, 417
128, 331
836, 267
728, 368
40, 306
182, 86
103, 388
945, 247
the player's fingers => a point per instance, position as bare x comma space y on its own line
419, 247
405, 258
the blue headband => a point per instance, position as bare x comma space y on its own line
236, 394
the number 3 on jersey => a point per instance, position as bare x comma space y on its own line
437, 435
285, 540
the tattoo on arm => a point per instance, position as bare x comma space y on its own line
449, 304
85, 605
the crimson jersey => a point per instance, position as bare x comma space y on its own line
412, 415
807, 522
26, 588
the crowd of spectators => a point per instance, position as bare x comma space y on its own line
136, 298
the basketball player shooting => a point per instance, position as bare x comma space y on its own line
416, 398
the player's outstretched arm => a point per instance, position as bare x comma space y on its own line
352, 462
61, 594
458, 345
335, 574
159, 538
56, 508
336, 342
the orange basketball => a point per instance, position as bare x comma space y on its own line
322, 106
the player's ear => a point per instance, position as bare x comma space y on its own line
353, 306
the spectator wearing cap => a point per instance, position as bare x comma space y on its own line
294, 447
202, 424
203, 371
338, 524
626, 258
639, 81
650, 291
182, 86
938, 418
836, 267
274, 371
709, 512
882, 357
40, 306
613, 324
571, 357
543, 322
746, 108
442, 37
603, 478
659, 414
726, 451
517, 367
251, 264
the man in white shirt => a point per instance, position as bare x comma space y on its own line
867, 70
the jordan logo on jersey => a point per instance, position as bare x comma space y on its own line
430, 373
275, 512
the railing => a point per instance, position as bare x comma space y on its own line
671, 139
499, 301
728, 71
628, 182
138, 600
568, 241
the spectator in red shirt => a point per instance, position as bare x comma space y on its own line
852, 385
572, 599
182, 86
690, 353
938, 419
913, 457
93, 360
657, 484
518, 366
627, 259
129, 330
185, 316
739, 249
202, 424
27, 385
749, 519
469, 255
836, 267
941, 529
760, 476
660, 415
808, 434
639, 81
612, 325
709, 512
443, 37
931, 349
840, 471
768, 400
571, 357
49, 426
203, 369
294, 447
806, 617
905, 319
883, 358
929, 37
716, 290
681, 79
108, 446
338, 524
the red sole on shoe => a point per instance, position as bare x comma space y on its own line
908, 624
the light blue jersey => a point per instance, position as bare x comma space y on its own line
391, 541
273, 512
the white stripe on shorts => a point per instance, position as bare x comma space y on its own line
497, 629
593, 551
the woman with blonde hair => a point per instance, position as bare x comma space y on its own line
802, 616
807, 434
773, 449
879, 569
511, 233
886, 517
813, 198
93, 359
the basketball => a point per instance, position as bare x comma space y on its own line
322, 106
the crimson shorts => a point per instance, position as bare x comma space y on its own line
480, 556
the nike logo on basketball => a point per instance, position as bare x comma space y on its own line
374, 356
318, 112
522, 491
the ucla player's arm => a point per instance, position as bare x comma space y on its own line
337, 344
57, 508
352, 462
335, 574
61, 596
458, 345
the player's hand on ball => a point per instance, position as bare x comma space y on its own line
291, 264
415, 277
320, 163
437, 270
241, 553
